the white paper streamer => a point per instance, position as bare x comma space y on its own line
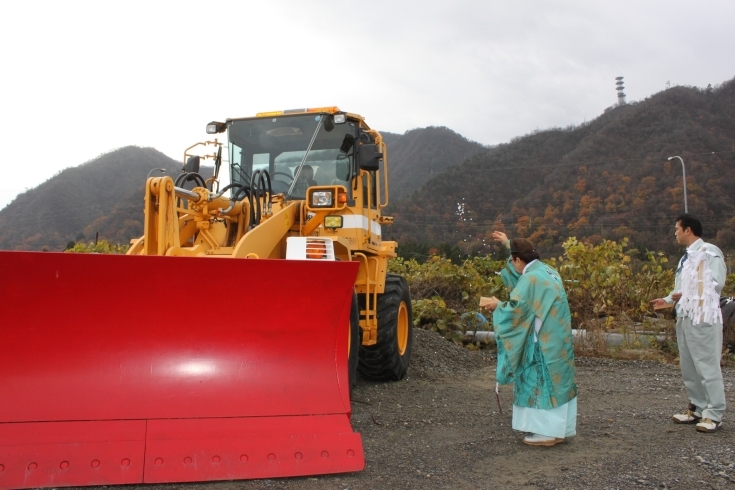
699, 299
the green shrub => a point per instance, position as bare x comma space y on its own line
607, 280
434, 314
729, 289
101, 247
443, 291
602, 280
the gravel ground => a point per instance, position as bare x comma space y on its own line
441, 428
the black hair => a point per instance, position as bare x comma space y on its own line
523, 249
688, 221
526, 257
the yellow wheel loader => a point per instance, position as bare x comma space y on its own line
167, 365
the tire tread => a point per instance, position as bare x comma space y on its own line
382, 361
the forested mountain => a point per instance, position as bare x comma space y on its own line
68, 205
420, 154
609, 178
105, 196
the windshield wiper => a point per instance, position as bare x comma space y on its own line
243, 175
306, 154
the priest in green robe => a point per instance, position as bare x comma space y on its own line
533, 332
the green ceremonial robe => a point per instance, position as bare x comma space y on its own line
543, 370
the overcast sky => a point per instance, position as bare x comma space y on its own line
82, 78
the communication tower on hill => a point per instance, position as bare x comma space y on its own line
619, 87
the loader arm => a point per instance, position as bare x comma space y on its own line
206, 220
160, 228
167, 226
268, 239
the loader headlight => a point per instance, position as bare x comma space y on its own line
333, 222
216, 127
321, 199
339, 119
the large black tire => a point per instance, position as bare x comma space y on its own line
353, 353
389, 358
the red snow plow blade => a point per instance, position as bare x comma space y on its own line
137, 369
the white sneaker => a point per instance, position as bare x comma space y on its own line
539, 440
687, 417
709, 425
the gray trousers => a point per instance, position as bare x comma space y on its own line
700, 348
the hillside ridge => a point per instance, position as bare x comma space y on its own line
606, 179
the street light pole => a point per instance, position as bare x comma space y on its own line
162, 170
684, 177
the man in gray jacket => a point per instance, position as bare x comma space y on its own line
700, 277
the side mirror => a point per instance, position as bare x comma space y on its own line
369, 157
328, 124
192, 164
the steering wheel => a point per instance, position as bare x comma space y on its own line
288, 176
281, 186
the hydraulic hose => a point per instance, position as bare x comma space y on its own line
245, 191
259, 193
255, 195
228, 208
188, 177
233, 199
225, 189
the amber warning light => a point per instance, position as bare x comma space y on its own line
329, 109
